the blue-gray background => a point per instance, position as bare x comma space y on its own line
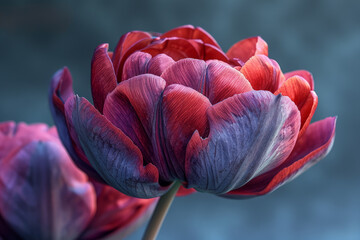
39, 37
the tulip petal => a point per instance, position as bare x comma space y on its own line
176, 48
40, 182
214, 79
250, 133
245, 49
116, 211
302, 73
263, 73
180, 118
103, 78
141, 63
299, 91
311, 147
132, 40
131, 108
60, 91
113, 154
191, 32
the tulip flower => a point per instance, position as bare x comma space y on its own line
173, 109
43, 195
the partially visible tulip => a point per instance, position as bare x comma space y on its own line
174, 107
44, 196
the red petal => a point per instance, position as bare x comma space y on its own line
215, 79
131, 108
176, 48
250, 133
299, 91
191, 32
135, 65
310, 148
247, 48
159, 64
263, 73
103, 78
302, 73
126, 42
113, 154
181, 118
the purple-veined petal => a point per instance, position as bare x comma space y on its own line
103, 78
60, 91
115, 157
311, 147
250, 133
39, 182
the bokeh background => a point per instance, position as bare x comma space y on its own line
39, 37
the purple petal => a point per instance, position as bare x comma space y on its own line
250, 133
113, 154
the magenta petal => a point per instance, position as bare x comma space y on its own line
135, 65
250, 133
113, 154
103, 78
158, 64
39, 182
311, 147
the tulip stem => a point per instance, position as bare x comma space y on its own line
160, 212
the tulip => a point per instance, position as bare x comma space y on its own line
43, 195
173, 109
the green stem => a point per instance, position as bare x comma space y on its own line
159, 214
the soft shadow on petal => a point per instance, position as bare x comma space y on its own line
116, 158
245, 49
250, 133
311, 147
302, 73
60, 91
263, 73
103, 78
191, 32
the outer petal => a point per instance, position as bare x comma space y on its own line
40, 182
60, 91
103, 78
191, 32
299, 91
250, 133
302, 73
245, 49
117, 213
113, 154
141, 63
311, 147
131, 108
214, 79
132, 40
180, 117
263, 73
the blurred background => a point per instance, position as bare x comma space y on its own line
39, 37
